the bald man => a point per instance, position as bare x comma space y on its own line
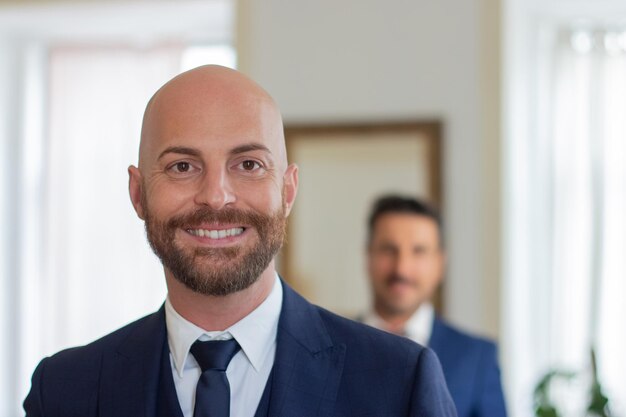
214, 189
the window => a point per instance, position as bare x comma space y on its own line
565, 200
78, 263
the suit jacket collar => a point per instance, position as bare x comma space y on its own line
305, 378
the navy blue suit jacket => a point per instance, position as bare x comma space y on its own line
325, 365
471, 369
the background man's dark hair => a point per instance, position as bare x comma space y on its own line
404, 205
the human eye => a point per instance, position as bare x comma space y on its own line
181, 168
387, 249
420, 250
249, 165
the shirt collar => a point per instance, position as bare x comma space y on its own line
420, 326
417, 328
255, 333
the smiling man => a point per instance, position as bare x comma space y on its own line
406, 265
214, 189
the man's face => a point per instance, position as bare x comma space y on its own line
405, 262
213, 187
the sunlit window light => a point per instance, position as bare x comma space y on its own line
582, 42
612, 43
622, 40
194, 56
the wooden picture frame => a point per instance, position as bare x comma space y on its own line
343, 167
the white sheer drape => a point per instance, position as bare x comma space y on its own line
589, 207
86, 268
568, 241
610, 331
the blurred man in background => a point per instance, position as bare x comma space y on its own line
406, 263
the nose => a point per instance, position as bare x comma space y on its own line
403, 264
215, 190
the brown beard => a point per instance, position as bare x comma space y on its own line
216, 271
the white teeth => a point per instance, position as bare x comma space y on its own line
216, 234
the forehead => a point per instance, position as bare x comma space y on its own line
209, 118
405, 227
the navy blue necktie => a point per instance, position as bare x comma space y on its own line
213, 390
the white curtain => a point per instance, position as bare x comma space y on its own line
85, 266
589, 206
610, 328
567, 242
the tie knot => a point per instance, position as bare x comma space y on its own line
214, 354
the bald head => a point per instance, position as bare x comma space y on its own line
215, 102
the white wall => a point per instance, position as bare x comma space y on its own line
359, 60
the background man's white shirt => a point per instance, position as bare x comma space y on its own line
249, 369
418, 328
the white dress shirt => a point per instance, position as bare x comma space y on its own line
418, 328
249, 369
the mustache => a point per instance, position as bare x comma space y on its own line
399, 279
209, 215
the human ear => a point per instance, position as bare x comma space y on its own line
135, 191
290, 187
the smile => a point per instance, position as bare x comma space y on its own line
216, 234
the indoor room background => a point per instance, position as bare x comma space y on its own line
510, 117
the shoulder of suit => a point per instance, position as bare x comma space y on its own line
380, 352
361, 336
344, 330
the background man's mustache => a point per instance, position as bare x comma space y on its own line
398, 279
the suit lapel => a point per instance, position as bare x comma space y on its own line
308, 367
306, 374
435, 342
130, 376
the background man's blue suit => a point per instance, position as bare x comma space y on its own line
471, 369
325, 366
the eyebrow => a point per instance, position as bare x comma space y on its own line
181, 150
194, 152
249, 147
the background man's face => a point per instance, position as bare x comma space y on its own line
405, 262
